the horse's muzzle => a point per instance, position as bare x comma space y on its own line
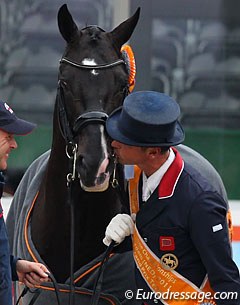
101, 184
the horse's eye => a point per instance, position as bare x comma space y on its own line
124, 89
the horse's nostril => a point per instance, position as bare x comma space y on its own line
101, 178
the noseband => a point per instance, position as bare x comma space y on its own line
86, 118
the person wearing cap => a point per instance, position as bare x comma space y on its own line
12, 268
178, 224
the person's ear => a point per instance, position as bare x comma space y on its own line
153, 152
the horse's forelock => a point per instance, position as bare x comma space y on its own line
93, 32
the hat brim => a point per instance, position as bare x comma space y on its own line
19, 127
112, 126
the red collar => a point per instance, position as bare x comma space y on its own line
170, 178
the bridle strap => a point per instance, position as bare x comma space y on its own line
100, 66
88, 118
64, 125
83, 120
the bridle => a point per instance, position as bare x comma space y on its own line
90, 117
87, 117
68, 133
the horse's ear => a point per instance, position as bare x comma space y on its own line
123, 31
66, 25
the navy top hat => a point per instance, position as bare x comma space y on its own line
147, 118
10, 123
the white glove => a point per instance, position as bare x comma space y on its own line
119, 227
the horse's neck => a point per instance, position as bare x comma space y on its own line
51, 201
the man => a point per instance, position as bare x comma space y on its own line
181, 240
12, 268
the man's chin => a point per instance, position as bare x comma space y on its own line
3, 165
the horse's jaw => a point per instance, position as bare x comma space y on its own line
97, 187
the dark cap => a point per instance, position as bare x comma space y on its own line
10, 123
147, 118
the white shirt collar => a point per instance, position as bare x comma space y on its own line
152, 182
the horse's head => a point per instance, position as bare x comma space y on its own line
93, 81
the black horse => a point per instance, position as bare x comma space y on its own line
93, 81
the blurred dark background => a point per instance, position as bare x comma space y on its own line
189, 49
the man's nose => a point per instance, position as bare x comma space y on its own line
115, 144
13, 144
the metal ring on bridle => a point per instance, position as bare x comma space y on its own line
114, 181
73, 147
71, 176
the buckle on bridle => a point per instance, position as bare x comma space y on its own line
71, 152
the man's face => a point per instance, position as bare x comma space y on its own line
127, 154
7, 143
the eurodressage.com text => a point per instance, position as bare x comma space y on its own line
169, 295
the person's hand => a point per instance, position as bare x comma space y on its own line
119, 227
31, 273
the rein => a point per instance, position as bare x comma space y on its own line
70, 179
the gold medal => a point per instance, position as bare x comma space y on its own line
169, 261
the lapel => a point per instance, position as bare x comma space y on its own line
170, 179
159, 200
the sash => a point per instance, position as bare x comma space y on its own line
160, 278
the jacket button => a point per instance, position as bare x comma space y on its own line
155, 301
145, 239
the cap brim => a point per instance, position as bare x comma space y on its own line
19, 127
116, 134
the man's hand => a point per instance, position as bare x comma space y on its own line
119, 227
31, 273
